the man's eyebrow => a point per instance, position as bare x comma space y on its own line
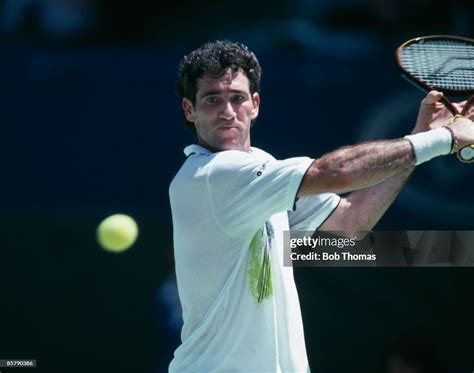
213, 92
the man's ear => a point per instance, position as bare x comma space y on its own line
188, 109
256, 105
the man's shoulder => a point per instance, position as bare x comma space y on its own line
201, 163
199, 157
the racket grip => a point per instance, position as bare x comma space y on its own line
449, 105
468, 104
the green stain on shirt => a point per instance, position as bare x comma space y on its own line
260, 268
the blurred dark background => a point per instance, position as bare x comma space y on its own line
91, 126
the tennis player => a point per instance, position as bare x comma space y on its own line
231, 203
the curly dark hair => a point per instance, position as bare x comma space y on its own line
214, 58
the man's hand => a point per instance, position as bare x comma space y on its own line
464, 129
469, 113
433, 114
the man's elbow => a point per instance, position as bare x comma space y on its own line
346, 221
324, 180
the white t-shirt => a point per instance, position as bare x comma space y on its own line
241, 310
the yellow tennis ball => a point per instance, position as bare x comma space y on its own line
117, 233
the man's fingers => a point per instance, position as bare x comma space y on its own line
432, 97
459, 105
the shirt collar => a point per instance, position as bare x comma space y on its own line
198, 149
195, 149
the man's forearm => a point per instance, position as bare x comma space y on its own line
361, 210
370, 204
357, 167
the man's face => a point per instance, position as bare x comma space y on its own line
223, 111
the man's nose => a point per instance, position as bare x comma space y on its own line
228, 111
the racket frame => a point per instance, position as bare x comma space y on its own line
425, 86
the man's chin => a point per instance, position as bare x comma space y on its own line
230, 144
227, 140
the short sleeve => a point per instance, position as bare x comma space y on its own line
311, 211
245, 191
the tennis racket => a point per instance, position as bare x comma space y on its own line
443, 63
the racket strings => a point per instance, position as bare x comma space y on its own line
443, 64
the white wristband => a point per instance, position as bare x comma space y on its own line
430, 144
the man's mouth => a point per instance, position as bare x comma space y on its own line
229, 127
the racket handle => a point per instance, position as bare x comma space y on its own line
449, 105
468, 104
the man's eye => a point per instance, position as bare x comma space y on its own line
239, 98
212, 100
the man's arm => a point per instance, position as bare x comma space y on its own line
367, 164
360, 211
363, 208
357, 167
